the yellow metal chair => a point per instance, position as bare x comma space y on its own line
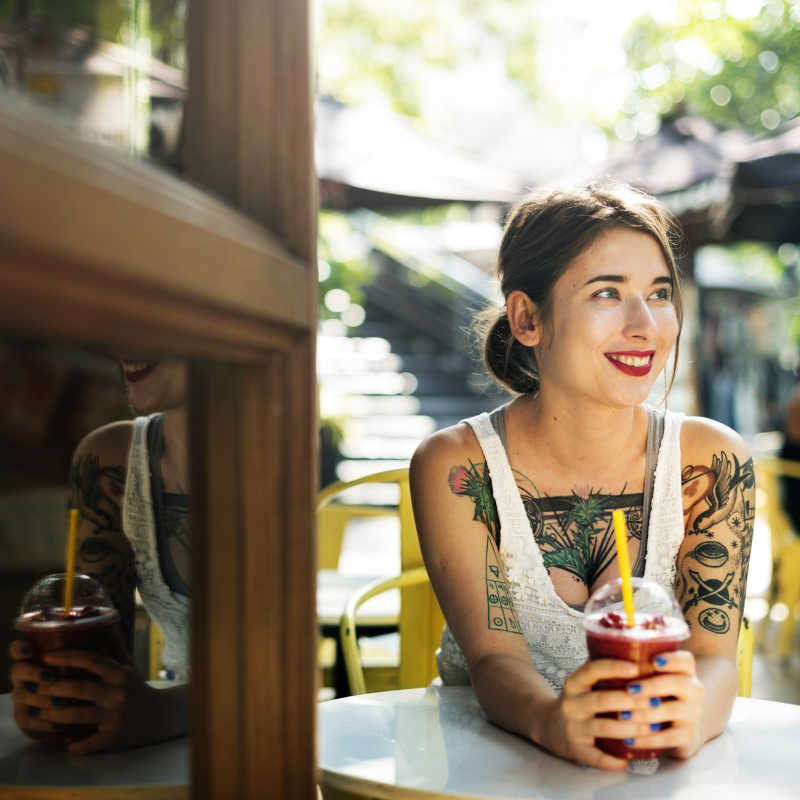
785, 544
420, 622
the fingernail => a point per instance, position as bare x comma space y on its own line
34, 711
661, 661
635, 688
47, 675
60, 701
655, 726
628, 741
655, 702
625, 715
31, 686
25, 649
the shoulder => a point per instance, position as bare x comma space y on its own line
448, 447
109, 444
703, 438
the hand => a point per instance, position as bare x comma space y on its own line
677, 681
572, 726
119, 702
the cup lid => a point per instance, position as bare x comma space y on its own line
47, 594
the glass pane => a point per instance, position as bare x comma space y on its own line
114, 69
68, 438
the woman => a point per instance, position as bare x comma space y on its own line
514, 509
130, 481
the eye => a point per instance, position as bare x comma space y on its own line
609, 293
663, 293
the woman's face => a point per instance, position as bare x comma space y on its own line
154, 385
612, 324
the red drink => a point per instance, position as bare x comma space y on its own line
91, 624
607, 636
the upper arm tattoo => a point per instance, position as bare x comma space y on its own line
502, 616
711, 580
104, 553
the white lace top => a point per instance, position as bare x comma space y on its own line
553, 630
169, 609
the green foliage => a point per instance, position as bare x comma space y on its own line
343, 254
372, 49
731, 71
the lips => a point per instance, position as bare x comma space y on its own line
632, 362
138, 370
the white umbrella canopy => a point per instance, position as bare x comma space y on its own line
371, 156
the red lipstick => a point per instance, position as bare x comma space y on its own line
632, 362
138, 370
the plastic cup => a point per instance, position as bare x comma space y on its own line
659, 627
92, 624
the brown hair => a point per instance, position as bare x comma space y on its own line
545, 231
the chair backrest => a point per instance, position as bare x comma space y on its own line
421, 620
744, 657
769, 470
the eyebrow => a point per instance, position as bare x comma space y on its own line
622, 279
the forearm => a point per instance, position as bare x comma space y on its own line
170, 712
720, 684
513, 694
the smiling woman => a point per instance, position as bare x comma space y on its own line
592, 315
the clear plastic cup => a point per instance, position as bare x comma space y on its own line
659, 627
91, 624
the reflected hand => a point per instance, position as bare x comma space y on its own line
119, 702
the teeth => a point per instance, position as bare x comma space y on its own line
633, 361
136, 366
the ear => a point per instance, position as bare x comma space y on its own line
523, 318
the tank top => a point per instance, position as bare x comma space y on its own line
553, 630
169, 609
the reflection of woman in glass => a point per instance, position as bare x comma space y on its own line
130, 481
514, 508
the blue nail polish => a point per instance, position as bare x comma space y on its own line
625, 715
34, 711
655, 726
661, 661
25, 649
31, 686
629, 742
635, 688
655, 702
47, 675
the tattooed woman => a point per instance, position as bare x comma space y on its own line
129, 480
514, 507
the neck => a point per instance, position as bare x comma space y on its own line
584, 435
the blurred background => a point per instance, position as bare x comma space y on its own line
432, 118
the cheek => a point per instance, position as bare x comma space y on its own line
667, 323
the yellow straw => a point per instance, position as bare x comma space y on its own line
73, 530
624, 562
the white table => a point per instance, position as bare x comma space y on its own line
27, 768
438, 742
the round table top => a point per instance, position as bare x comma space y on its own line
25, 763
437, 742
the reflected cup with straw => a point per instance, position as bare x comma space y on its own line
632, 619
69, 611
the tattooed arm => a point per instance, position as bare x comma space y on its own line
458, 531
711, 578
125, 709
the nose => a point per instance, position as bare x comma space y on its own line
639, 321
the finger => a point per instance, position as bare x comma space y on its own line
25, 671
671, 684
664, 711
602, 669
108, 670
75, 715
606, 728
675, 661
109, 697
20, 649
25, 697
28, 721
676, 736
594, 757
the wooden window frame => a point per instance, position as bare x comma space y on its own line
109, 252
